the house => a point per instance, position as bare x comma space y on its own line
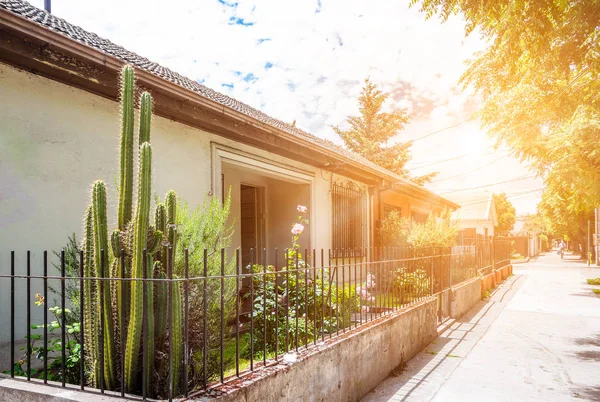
59, 87
476, 215
526, 237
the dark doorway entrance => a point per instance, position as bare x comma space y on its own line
249, 223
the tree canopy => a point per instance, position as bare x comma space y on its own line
370, 133
506, 214
541, 97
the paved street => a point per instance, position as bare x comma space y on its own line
536, 339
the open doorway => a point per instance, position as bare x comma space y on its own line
252, 223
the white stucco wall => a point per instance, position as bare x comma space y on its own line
56, 140
479, 225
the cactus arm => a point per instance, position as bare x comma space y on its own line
149, 335
101, 244
145, 118
176, 336
154, 241
161, 307
171, 207
160, 217
90, 295
127, 118
140, 233
115, 243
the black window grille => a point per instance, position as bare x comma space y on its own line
349, 217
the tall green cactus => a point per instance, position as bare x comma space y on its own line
171, 207
101, 254
145, 118
134, 331
91, 323
176, 336
128, 242
149, 335
127, 117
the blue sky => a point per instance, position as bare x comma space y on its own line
306, 61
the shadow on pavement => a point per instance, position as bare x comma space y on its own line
585, 294
590, 341
589, 355
587, 393
423, 365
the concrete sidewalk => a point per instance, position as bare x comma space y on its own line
536, 339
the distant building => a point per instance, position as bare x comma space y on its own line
476, 215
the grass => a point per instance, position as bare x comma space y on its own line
594, 281
451, 355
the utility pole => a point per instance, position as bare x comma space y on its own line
589, 250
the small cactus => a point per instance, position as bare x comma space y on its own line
100, 235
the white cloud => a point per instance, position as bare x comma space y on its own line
318, 61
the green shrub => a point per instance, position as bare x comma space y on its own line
207, 227
434, 232
303, 294
411, 284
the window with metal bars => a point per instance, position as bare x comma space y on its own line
349, 218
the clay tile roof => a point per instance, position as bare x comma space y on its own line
52, 22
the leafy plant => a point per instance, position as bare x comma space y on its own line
54, 350
72, 267
411, 284
285, 301
394, 230
207, 229
433, 233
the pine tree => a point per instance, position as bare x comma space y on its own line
371, 133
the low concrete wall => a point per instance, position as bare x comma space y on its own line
348, 368
488, 282
465, 296
35, 391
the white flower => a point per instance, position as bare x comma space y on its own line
290, 358
302, 209
297, 229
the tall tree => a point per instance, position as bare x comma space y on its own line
538, 79
371, 132
506, 214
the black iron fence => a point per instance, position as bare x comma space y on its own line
502, 251
220, 321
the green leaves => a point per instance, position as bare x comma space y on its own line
505, 212
370, 132
538, 78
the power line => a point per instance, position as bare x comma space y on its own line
449, 159
490, 185
442, 130
511, 195
471, 171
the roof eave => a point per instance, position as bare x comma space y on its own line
49, 39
